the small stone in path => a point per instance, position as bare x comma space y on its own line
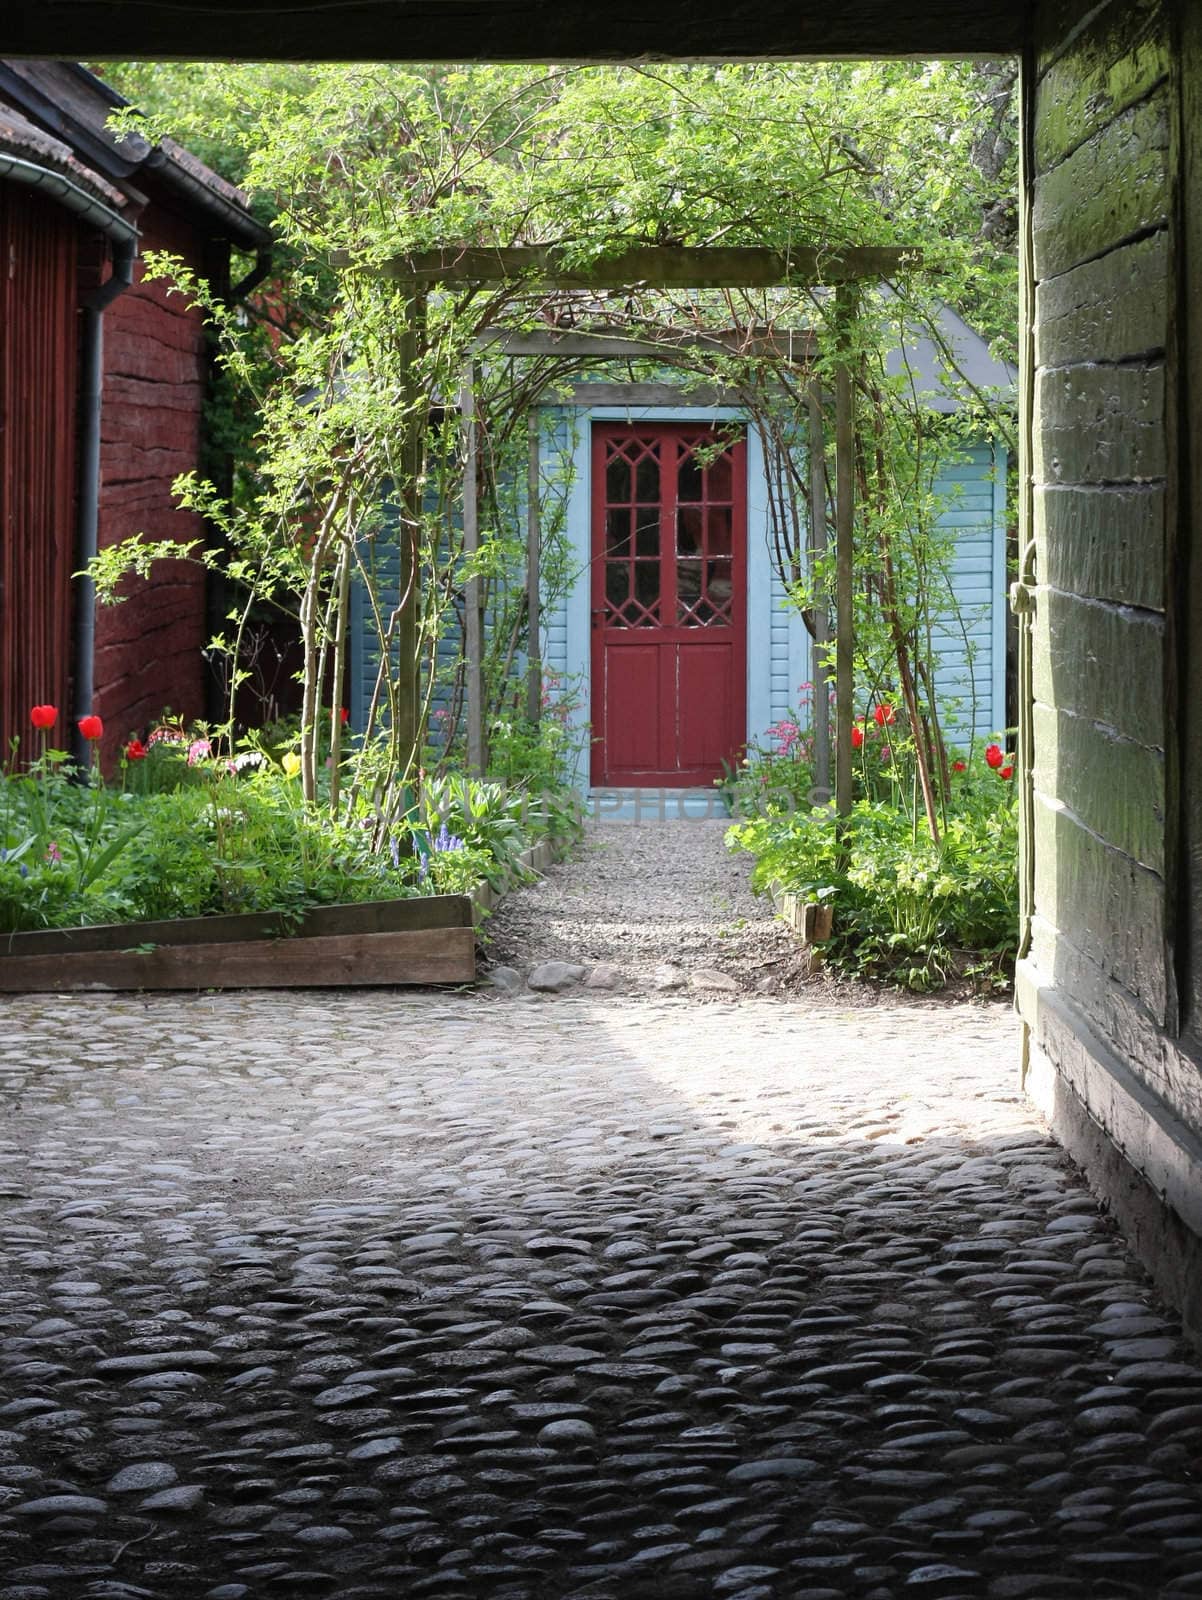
604, 976
569, 1430
62, 1505
782, 1467
551, 977
324, 1535
188, 1497
711, 978
668, 977
507, 979
143, 1475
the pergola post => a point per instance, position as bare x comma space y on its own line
473, 621
819, 547
534, 665
845, 448
407, 693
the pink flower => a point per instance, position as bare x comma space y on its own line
53, 853
199, 750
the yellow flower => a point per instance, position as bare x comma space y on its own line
291, 763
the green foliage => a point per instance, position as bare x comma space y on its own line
198, 834
355, 450
905, 908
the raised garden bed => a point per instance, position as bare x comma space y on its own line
426, 940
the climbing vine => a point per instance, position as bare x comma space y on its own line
351, 476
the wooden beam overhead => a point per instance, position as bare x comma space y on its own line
608, 344
507, 30
545, 267
634, 396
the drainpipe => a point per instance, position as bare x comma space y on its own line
87, 525
252, 280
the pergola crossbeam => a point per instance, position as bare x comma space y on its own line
797, 345
549, 267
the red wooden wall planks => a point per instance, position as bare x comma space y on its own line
38, 360
148, 649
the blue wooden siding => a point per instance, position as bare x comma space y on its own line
971, 641
363, 657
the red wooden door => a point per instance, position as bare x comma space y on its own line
669, 603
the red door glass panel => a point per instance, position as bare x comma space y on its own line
669, 603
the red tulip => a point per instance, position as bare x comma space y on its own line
1006, 772
883, 715
857, 736
91, 728
958, 766
43, 716
994, 755
135, 750
343, 714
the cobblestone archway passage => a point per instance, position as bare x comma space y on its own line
412, 1295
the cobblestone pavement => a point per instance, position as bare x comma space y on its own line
456, 1296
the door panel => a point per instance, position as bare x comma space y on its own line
706, 691
669, 603
633, 731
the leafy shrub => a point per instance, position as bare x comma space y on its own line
907, 909
195, 837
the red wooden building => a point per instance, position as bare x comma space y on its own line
102, 386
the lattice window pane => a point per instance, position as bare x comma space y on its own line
689, 530
689, 580
719, 588
646, 482
617, 480
646, 536
719, 482
617, 532
719, 531
646, 584
690, 483
617, 584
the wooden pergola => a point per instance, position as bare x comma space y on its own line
658, 267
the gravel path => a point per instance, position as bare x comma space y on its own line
648, 896
380, 1296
